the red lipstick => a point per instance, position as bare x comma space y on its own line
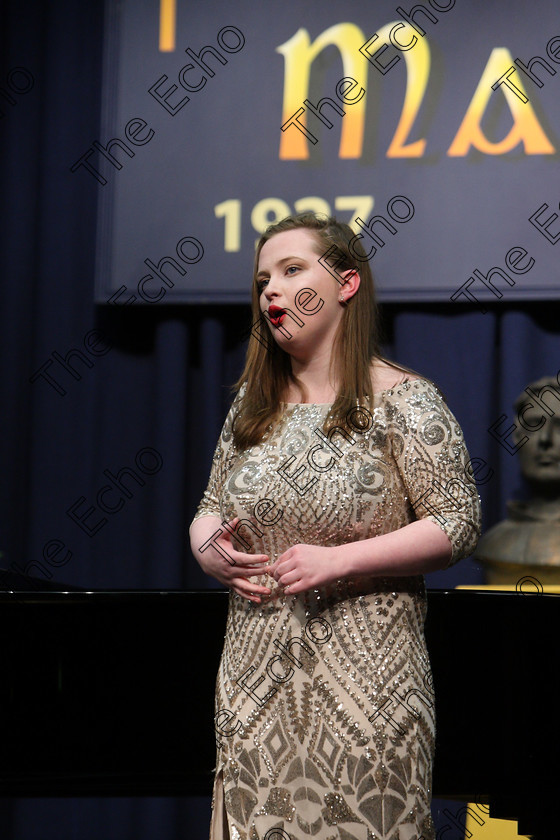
276, 315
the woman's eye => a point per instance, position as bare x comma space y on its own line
292, 268
262, 283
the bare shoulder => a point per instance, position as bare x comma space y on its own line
385, 376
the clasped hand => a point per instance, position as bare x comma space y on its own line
304, 567
235, 568
299, 568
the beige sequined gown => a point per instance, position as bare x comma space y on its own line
324, 703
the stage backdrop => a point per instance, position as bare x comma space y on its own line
430, 128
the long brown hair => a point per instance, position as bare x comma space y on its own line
268, 371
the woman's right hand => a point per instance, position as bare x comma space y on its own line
232, 568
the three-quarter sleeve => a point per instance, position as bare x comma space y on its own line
433, 461
224, 456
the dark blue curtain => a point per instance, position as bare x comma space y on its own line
144, 399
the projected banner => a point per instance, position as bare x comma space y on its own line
432, 128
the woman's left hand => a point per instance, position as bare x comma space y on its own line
304, 567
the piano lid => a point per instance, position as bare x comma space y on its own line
112, 693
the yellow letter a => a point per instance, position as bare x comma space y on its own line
526, 127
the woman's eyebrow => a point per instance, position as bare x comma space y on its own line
280, 262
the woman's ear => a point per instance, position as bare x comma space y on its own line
351, 283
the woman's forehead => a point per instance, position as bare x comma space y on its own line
292, 241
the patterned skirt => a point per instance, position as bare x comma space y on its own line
325, 717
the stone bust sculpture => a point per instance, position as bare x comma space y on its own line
528, 541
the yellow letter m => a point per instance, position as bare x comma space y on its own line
299, 54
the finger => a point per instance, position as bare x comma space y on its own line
268, 570
280, 570
251, 586
249, 568
251, 591
286, 555
243, 558
248, 571
248, 597
288, 580
293, 587
255, 559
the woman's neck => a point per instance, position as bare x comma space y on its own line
314, 375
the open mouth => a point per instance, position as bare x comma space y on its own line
276, 315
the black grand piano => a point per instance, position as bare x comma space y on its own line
111, 693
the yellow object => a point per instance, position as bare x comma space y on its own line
167, 23
523, 587
492, 829
478, 824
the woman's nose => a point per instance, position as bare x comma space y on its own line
271, 288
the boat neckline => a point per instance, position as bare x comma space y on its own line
376, 393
